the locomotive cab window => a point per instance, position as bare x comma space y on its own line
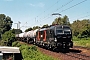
59, 31
67, 30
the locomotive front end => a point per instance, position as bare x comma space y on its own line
63, 36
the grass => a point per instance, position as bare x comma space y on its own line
32, 53
84, 42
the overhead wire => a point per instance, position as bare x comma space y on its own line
79, 18
48, 16
65, 4
71, 6
48, 8
74, 5
45, 11
84, 16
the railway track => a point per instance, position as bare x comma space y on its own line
78, 56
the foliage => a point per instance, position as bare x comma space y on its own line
29, 29
16, 44
8, 37
5, 23
81, 28
2, 43
62, 21
32, 53
17, 31
35, 27
45, 26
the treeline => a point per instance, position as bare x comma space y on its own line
80, 28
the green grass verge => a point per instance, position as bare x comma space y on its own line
31, 52
84, 42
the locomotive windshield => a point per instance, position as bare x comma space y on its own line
63, 30
67, 31
59, 31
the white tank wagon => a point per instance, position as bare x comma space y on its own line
25, 36
34, 40
19, 36
28, 37
35, 32
31, 36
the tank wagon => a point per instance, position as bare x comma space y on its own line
58, 36
19, 36
28, 37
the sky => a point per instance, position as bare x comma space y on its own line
39, 12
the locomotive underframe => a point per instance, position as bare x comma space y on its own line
64, 43
60, 43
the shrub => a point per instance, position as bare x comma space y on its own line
8, 37
31, 52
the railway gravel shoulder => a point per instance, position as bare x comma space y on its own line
75, 53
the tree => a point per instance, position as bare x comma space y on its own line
81, 27
8, 37
16, 31
5, 23
57, 21
65, 20
36, 27
29, 29
45, 26
62, 21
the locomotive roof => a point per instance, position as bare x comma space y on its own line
42, 29
59, 26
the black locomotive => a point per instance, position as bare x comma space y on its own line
58, 36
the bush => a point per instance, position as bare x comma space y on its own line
16, 44
8, 37
31, 52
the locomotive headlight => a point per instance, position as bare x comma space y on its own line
69, 36
55, 40
69, 44
70, 32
